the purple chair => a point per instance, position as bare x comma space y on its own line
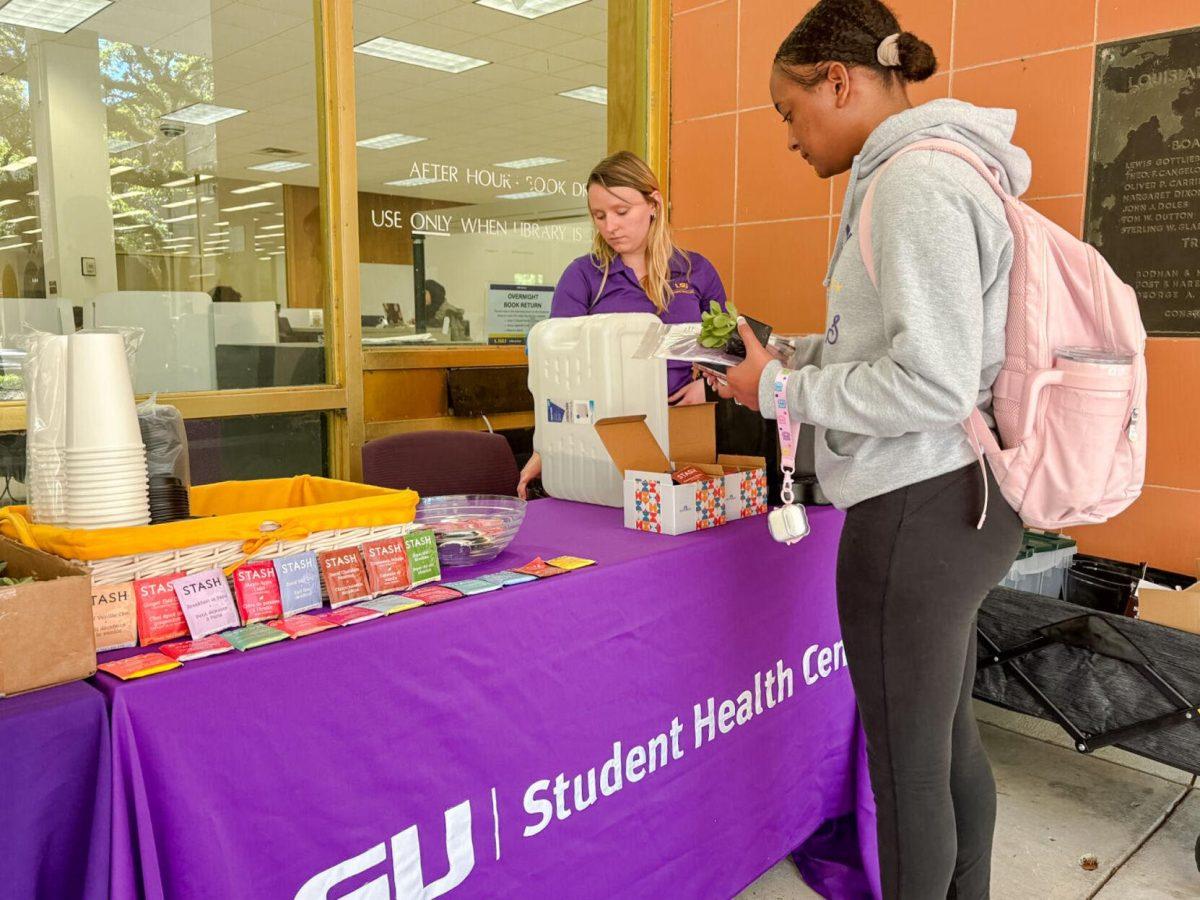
434, 463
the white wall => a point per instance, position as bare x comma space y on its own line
467, 263
385, 283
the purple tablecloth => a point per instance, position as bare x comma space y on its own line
426, 749
54, 794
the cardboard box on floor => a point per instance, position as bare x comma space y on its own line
46, 633
1175, 609
653, 502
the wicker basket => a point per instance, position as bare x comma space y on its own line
227, 554
253, 520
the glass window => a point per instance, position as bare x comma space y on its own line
158, 164
242, 448
477, 125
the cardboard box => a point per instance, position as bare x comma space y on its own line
1175, 609
653, 502
46, 633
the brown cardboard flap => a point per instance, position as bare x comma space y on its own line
742, 463
631, 445
693, 432
46, 635
25, 561
1175, 609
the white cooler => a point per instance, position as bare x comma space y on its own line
582, 370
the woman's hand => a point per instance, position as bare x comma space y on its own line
532, 470
743, 379
716, 382
691, 394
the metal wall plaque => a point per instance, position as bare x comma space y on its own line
1143, 205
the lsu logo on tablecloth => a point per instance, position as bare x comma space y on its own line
406, 881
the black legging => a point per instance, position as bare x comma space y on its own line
912, 573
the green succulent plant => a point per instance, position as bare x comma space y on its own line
5, 581
718, 325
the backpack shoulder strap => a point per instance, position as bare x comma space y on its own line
954, 148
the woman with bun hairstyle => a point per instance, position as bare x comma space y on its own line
888, 386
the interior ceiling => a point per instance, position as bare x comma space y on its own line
263, 61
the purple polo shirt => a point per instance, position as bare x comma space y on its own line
575, 295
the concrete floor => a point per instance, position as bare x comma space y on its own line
1139, 819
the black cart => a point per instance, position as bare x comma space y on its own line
1108, 680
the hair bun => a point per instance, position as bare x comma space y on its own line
917, 60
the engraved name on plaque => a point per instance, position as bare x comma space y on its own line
1143, 205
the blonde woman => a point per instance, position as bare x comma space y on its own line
634, 266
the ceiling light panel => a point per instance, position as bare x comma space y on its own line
388, 141
202, 114
280, 165
531, 163
230, 209
59, 16
191, 201
189, 179
413, 182
250, 189
529, 9
592, 94
417, 55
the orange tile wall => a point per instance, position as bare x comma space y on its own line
767, 222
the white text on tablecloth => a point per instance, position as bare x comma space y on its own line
548, 800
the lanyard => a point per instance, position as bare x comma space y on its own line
787, 437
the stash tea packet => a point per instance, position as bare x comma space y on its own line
387, 565
139, 666
423, 563
159, 615
257, 589
344, 576
299, 626
185, 651
207, 603
299, 582
114, 616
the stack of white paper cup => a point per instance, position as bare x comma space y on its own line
107, 484
46, 429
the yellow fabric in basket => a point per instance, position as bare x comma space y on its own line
237, 510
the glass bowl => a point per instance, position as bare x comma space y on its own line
471, 528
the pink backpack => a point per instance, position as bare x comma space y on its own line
1070, 400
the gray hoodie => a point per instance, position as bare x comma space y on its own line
900, 368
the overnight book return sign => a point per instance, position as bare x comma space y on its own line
512, 309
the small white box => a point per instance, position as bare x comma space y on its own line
653, 502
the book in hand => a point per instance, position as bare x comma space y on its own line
681, 342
